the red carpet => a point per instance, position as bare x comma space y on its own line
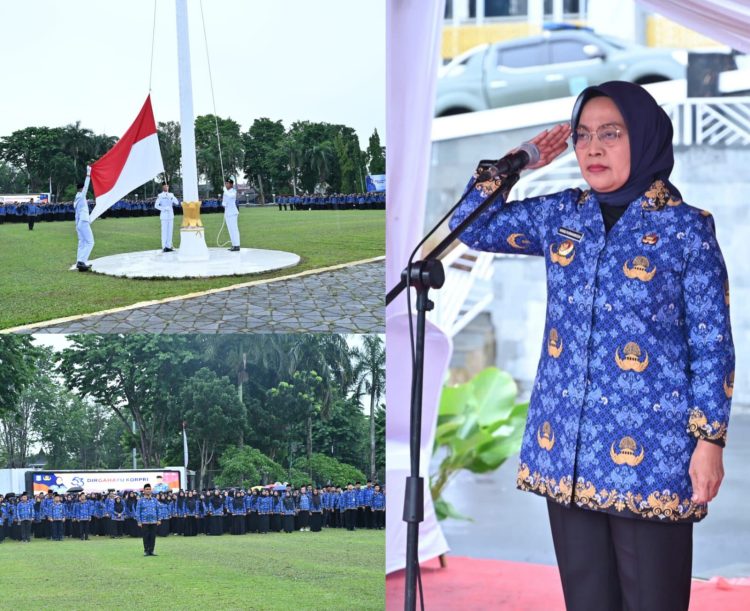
470, 583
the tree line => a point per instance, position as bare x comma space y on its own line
254, 406
305, 158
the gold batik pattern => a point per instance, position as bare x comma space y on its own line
659, 505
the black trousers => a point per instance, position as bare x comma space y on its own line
149, 537
25, 530
613, 563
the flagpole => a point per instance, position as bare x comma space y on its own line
185, 445
192, 240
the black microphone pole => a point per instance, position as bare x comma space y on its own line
425, 275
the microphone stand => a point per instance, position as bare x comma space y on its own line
425, 275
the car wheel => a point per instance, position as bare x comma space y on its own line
458, 110
650, 78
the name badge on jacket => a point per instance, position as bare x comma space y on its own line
570, 233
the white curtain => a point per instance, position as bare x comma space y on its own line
725, 21
414, 30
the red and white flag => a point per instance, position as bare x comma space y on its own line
134, 160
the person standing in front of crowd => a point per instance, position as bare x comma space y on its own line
83, 227
147, 516
231, 214
378, 508
289, 511
57, 517
165, 203
316, 511
32, 211
25, 516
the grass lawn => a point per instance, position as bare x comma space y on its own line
333, 569
35, 284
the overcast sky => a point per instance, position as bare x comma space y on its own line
88, 60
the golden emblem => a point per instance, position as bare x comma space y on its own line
191, 214
639, 269
663, 505
554, 344
650, 239
545, 437
632, 361
627, 455
562, 254
726, 292
729, 385
659, 196
518, 240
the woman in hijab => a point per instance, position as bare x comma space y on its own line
215, 512
628, 413
237, 507
191, 510
316, 511
289, 511
278, 512
251, 506
131, 524
164, 514
265, 507
117, 517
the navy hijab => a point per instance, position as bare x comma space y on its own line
650, 134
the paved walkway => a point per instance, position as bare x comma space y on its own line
348, 299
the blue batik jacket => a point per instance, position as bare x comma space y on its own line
637, 361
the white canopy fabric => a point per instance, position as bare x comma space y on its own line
725, 21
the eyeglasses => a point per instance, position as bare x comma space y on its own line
608, 135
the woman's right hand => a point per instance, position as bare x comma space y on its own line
551, 143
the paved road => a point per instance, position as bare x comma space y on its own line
512, 525
346, 300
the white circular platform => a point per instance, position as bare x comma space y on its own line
221, 262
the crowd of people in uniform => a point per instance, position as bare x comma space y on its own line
31, 212
214, 512
373, 200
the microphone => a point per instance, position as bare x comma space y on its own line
527, 153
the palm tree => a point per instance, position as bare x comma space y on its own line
319, 158
369, 372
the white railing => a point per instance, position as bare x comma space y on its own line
468, 273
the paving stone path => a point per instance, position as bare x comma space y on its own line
346, 300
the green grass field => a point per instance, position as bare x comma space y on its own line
35, 284
333, 569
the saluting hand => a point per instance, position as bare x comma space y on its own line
706, 471
551, 143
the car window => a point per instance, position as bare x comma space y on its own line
567, 51
524, 56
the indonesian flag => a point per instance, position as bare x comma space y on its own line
134, 160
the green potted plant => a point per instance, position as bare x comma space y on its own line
479, 426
